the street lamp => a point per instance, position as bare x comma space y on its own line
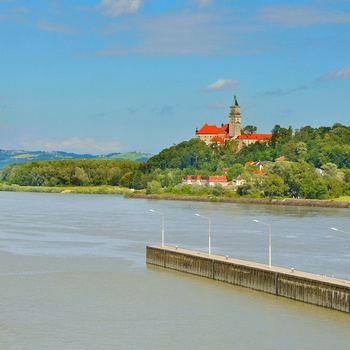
157, 212
209, 244
348, 233
270, 240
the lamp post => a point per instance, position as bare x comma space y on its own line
348, 233
209, 238
270, 240
157, 212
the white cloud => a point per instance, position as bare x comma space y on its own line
114, 8
74, 144
203, 3
181, 34
301, 16
216, 106
342, 73
280, 92
55, 27
221, 84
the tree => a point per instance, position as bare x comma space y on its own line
236, 169
273, 186
250, 129
314, 187
330, 170
280, 134
126, 180
301, 149
80, 178
153, 187
335, 187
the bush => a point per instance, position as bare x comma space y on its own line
153, 187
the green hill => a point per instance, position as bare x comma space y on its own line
21, 156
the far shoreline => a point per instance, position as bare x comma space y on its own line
127, 193
241, 200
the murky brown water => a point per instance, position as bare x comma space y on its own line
73, 275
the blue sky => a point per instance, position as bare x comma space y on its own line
140, 75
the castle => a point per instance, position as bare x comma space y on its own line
232, 131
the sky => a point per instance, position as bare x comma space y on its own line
109, 76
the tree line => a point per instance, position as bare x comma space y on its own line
316, 166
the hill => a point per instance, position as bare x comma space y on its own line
20, 156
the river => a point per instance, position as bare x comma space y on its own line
73, 274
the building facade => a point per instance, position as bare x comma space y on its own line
231, 131
204, 180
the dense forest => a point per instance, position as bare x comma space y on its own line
316, 165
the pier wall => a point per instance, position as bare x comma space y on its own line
324, 291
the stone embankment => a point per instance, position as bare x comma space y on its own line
265, 201
302, 286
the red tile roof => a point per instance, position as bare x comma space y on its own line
211, 129
218, 139
255, 137
212, 178
217, 178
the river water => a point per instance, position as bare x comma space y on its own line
73, 275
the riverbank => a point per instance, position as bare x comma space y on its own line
127, 193
265, 201
68, 189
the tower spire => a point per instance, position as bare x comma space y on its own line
235, 119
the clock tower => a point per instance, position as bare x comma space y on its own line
235, 119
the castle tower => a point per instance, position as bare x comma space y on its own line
235, 120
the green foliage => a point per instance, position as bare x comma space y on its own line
317, 166
250, 129
19, 156
153, 187
187, 154
68, 172
236, 169
250, 190
273, 186
346, 189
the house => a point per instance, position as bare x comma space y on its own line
248, 139
238, 181
204, 180
250, 162
259, 171
212, 134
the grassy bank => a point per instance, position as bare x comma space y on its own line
341, 202
266, 201
69, 189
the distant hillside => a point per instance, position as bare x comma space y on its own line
20, 156
132, 156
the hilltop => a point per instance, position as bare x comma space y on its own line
312, 163
20, 156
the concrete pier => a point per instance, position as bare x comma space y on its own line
311, 288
